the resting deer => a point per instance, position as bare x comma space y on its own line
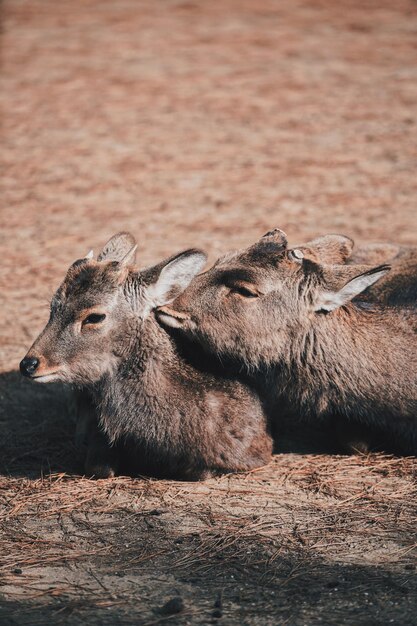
399, 286
158, 413
294, 319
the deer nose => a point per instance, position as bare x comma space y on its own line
28, 366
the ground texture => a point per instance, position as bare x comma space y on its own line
197, 124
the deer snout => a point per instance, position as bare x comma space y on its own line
38, 368
29, 365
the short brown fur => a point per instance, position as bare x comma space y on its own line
157, 412
297, 323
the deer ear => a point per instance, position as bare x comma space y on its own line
120, 248
175, 276
270, 247
276, 235
329, 300
329, 249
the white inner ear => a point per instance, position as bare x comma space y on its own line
117, 247
296, 255
129, 256
331, 300
175, 277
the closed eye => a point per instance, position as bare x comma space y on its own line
243, 291
93, 318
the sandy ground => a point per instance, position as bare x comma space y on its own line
197, 124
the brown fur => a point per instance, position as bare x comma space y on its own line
399, 287
158, 411
310, 344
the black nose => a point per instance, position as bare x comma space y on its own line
28, 366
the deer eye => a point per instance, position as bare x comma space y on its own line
243, 291
94, 318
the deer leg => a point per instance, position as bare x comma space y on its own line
86, 417
102, 460
355, 438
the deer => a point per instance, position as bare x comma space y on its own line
157, 410
302, 322
399, 286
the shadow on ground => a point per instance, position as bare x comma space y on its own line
37, 424
231, 588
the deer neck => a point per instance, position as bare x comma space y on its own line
136, 397
332, 363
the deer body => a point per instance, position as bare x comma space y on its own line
297, 323
154, 411
176, 420
359, 366
399, 287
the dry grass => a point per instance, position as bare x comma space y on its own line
197, 124
284, 523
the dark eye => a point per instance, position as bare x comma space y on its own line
243, 291
94, 318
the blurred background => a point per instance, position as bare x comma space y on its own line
197, 124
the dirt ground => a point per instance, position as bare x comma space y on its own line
197, 124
